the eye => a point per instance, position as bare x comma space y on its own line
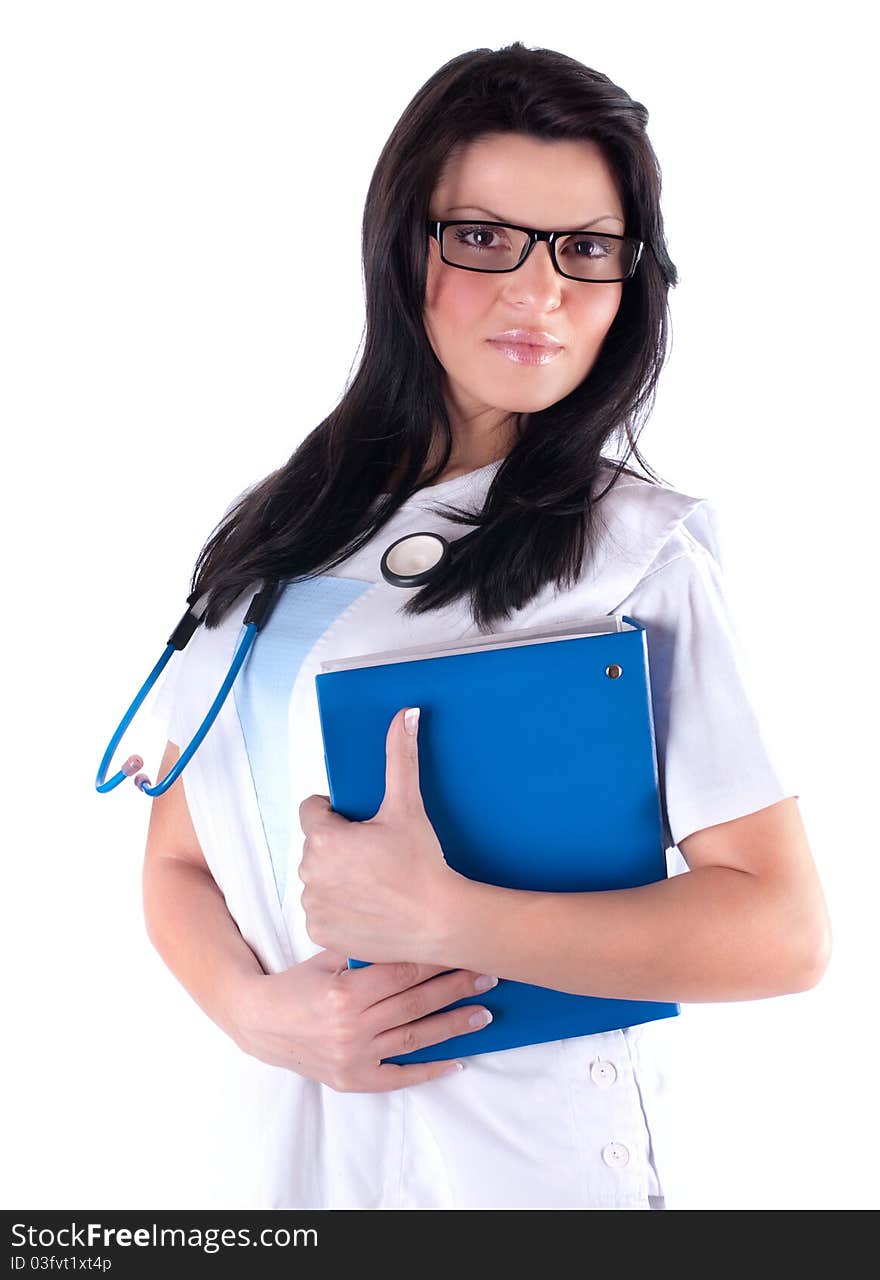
588, 247
486, 237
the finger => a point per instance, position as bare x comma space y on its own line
376, 982
411, 1010
402, 788
312, 810
433, 1030
395, 1075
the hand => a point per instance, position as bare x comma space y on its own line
377, 890
334, 1024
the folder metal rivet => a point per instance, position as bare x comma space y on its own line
613, 671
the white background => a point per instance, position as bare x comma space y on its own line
170, 333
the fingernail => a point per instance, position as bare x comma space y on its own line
481, 1018
484, 982
411, 719
453, 1070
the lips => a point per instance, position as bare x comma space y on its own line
525, 352
526, 337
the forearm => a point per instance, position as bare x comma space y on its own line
189, 924
713, 933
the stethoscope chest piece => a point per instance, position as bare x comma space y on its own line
413, 560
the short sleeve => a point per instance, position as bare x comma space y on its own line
713, 758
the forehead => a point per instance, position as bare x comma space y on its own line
534, 181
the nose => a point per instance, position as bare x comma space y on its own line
536, 274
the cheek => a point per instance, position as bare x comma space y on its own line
454, 301
593, 316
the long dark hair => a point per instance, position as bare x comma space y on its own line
538, 520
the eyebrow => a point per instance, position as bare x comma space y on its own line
460, 208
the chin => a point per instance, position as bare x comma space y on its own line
505, 403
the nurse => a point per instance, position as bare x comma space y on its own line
517, 277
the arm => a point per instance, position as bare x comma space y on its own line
185, 912
317, 1018
747, 920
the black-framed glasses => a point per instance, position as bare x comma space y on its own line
594, 257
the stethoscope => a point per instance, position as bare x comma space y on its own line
411, 561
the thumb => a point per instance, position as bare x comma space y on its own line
402, 789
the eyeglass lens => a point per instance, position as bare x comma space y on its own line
586, 255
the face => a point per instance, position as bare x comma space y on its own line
553, 185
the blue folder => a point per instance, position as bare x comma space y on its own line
538, 770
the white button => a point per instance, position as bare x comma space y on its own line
615, 1154
603, 1072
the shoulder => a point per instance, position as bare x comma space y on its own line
644, 525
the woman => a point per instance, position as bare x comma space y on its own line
255, 891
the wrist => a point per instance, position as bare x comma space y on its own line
445, 941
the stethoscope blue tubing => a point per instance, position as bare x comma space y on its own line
253, 620
240, 654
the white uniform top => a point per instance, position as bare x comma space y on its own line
565, 1124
